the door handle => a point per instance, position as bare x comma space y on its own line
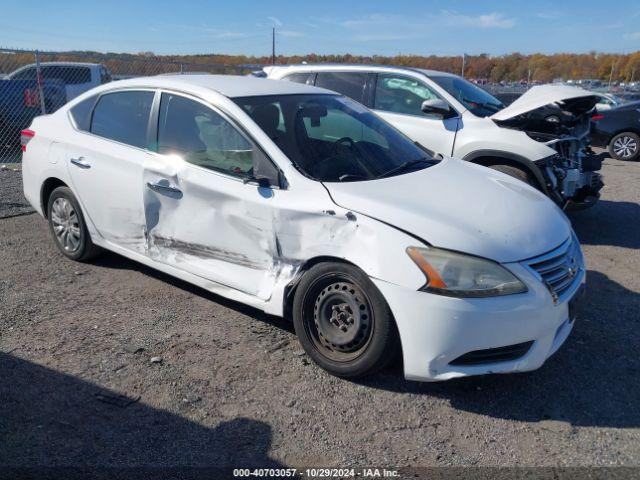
158, 187
80, 162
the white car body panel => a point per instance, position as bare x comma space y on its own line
433, 213
249, 243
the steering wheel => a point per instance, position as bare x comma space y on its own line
343, 142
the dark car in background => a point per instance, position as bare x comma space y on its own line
618, 130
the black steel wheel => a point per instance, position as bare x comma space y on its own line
343, 322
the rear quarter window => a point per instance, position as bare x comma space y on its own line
305, 78
81, 113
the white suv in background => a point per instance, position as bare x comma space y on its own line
541, 138
77, 77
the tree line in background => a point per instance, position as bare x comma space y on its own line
511, 67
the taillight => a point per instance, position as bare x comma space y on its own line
595, 118
25, 137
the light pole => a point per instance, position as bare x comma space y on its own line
273, 46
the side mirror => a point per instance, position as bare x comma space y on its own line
262, 182
437, 106
265, 173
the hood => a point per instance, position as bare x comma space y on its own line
541, 96
464, 207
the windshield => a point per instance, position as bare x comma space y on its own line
333, 138
478, 101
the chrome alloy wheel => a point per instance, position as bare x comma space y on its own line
65, 224
625, 147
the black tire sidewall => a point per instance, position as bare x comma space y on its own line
635, 157
382, 346
85, 241
515, 173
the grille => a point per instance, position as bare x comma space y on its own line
560, 268
492, 355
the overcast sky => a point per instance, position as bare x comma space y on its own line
325, 26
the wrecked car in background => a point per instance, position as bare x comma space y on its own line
304, 204
452, 116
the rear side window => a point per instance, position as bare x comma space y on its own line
68, 74
81, 113
26, 74
299, 78
202, 137
350, 84
399, 94
123, 116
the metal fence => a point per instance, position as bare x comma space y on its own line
33, 83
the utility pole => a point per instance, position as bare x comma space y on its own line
464, 57
273, 46
611, 74
528, 77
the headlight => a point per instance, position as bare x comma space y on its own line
459, 275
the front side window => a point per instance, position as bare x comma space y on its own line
202, 137
123, 116
399, 94
349, 84
478, 101
334, 139
105, 76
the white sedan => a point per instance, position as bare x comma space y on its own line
304, 204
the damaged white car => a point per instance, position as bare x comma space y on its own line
304, 204
542, 138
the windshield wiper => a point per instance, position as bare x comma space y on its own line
351, 176
405, 166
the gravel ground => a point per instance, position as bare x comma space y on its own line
12, 202
114, 364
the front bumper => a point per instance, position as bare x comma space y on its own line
436, 330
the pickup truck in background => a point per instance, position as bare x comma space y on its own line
77, 77
20, 95
20, 103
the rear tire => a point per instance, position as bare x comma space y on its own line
343, 322
516, 173
625, 146
68, 227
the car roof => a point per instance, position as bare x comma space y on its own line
63, 64
356, 66
230, 86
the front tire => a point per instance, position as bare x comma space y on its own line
68, 227
343, 322
625, 146
516, 173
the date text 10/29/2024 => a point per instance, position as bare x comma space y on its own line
316, 473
